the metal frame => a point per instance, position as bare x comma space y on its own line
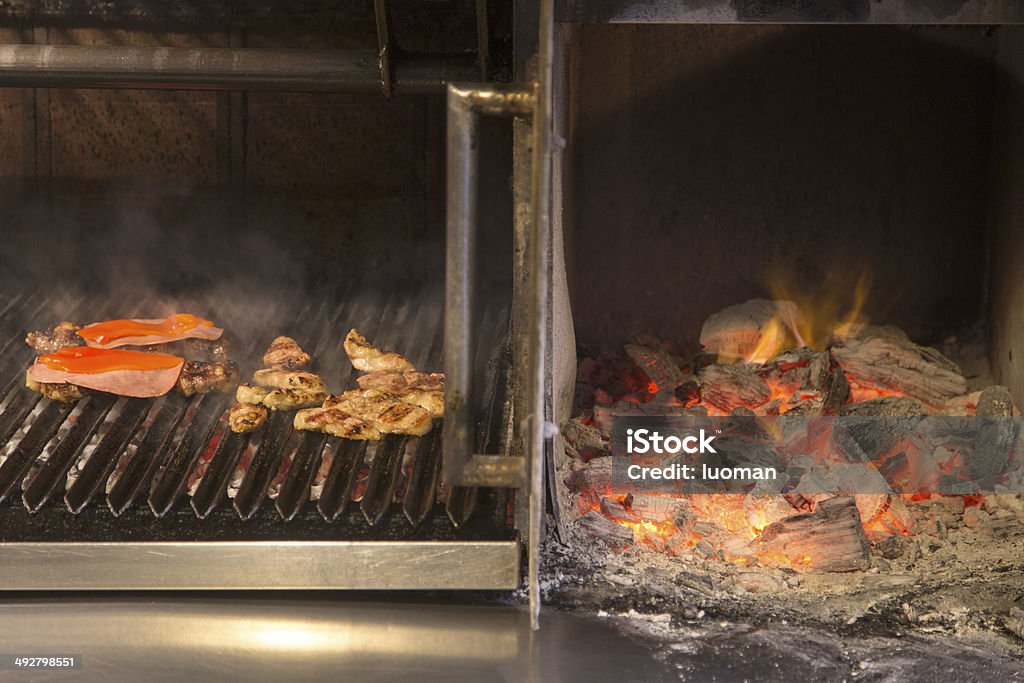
240, 565
222, 68
791, 12
462, 465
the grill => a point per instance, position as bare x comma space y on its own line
166, 471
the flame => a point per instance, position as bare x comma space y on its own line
832, 311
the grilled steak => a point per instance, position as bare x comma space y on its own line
397, 381
246, 417
289, 379
60, 336
369, 358
65, 393
200, 377
384, 410
335, 422
286, 354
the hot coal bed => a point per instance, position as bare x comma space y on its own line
811, 232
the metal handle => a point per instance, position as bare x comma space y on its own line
463, 467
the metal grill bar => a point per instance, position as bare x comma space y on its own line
341, 478
214, 485
67, 451
384, 472
28, 449
295, 490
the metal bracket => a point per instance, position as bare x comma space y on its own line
466, 103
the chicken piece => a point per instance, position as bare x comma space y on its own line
247, 393
368, 358
335, 422
246, 417
278, 399
64, 393
274, 378
290, 399
384, 410
201, 377
286, 354
430, 401
427, 381
384, 381
60, 336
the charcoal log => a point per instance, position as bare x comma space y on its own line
831, 539
728, 387
736, 332
657, 508
896, 364
657, 365
995, 401
598, 526
887, 406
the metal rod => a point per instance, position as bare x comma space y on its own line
539, 309
219, 68
380, 12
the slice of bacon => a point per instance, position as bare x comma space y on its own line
144, 332
126, 373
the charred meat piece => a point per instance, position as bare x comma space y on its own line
247, 393
395, 382
285, 353
368, 358
335, 422
430, 401
246, 417
60, 336
210, 350
384, 410
278, 399
289, 379
290, 399
201, 377
427, 381
384, 381
65, 393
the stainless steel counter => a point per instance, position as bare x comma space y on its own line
312, 638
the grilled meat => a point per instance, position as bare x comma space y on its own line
246, 417
115, 371
279, 399
60, 336
200, 377
65, 393
368, 358
427, 381
247, 393
335, 422
397, 381
210, 350
274, 378
285, 353
384, 410
430, 401
290, 399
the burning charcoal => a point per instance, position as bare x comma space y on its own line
594, 480
755, 330
891, 364
657, 365
732, 386
657, 508
678, 545
888, 406
704, 550
995, 401
891, 547
737, 549
975, 517
689, 391
615, 510
992, 447
608, 531
867, 439
829, 540
837, 392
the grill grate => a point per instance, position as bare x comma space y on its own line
173, 445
